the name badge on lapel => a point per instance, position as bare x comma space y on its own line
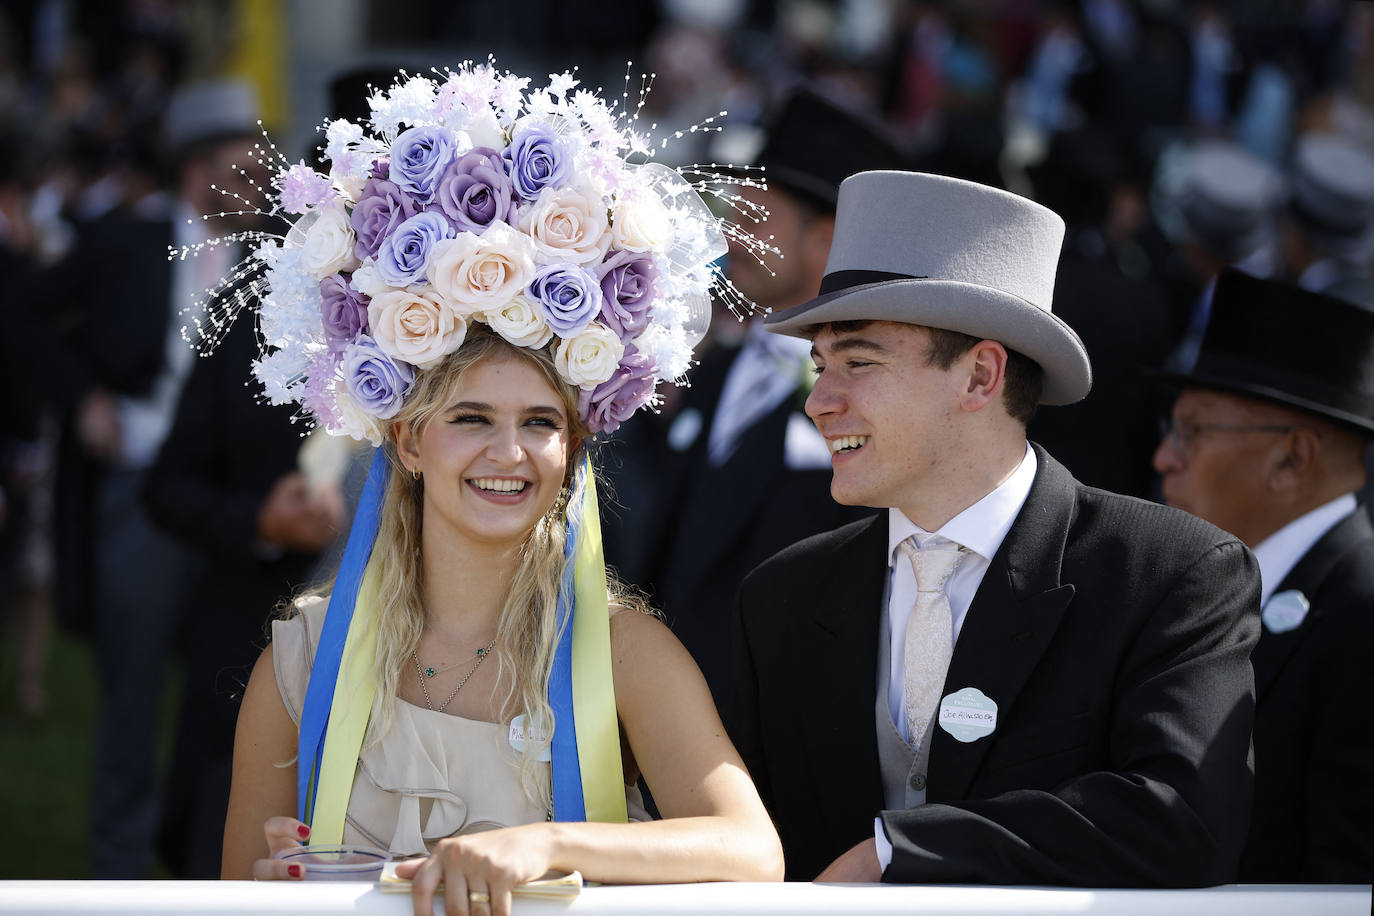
968, 714
519, 737
1285, 611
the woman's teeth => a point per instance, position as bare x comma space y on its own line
847, 443
497, 485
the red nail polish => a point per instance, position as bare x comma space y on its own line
293, 870
303, 830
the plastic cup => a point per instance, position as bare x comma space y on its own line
336, 862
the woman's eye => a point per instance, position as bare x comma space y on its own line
469, 418
546, 422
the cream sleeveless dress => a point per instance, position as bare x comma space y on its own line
432, 776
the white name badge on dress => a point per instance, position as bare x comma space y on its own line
968, 714
518, 738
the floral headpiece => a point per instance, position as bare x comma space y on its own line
474, 199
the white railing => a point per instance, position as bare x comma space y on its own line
295, 899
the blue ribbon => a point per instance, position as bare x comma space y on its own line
324, 673
568, 804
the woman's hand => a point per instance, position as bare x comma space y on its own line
478, 871
282, 833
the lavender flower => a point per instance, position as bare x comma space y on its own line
378, 385
419, 156
627, 290
343, 310
476, 191
304, 188
382, 207
538, 159
568, 295
403, 255
615, 400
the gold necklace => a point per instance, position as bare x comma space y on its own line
425, 673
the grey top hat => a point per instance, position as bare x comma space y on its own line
1218, 193
201, 112
952, 254
1333, 190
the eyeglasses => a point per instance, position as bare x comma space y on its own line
1183, 435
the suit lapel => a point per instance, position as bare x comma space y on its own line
836, 666
1308, 576
1011, 621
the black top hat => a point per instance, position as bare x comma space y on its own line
1282, 343
813, 144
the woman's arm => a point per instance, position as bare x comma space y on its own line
262, 788
714, 828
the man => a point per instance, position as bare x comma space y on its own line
117, 376
1007, 677
1267, 441
741, 472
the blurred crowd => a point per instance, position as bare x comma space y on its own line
146, 498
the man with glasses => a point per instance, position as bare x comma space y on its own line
1267, 440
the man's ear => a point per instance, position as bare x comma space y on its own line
1301, 454
986, 363
820, 232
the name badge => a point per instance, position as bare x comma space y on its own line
519, 737
1285, 611
968, 714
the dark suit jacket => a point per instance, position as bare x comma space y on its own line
1313, 819
716, 524
1114, 636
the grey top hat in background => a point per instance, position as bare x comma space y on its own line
204, 112
945, 253
1333, 191
1218, 193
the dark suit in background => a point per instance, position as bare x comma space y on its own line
1314, 722
220, 461
1114, 636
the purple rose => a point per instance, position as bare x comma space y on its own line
627, 292
378, 384
402, 256
568, 295
381, 209
538, 159
381, 168
418, 159
343, 309
616, 399
476, 191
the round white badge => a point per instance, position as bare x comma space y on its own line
1285, 611
518, 739
968, 714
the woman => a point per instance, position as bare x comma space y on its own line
482, 457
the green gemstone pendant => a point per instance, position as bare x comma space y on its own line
481, 652
429, 672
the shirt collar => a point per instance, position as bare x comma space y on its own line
982, 526
1281, 551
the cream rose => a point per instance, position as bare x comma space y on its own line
640, 224
415, 328
477, 272
521, 322
568, 225
366, 280
591, 357
328, 244
353, 421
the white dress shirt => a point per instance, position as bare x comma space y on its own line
980, 529
765, 372
1281, 551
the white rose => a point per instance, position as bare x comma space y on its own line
353, 421
476, 272
483, 129
568, 225
414, 328
367, 281
591, 357
521, 322
641, 224
328, 244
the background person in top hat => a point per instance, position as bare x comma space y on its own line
118, 375
1063, 689
1267, 441
1329, 233
741, 472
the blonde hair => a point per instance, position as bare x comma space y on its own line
527, 629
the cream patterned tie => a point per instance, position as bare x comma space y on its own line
929, 632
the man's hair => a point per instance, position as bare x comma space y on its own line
1021, 388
